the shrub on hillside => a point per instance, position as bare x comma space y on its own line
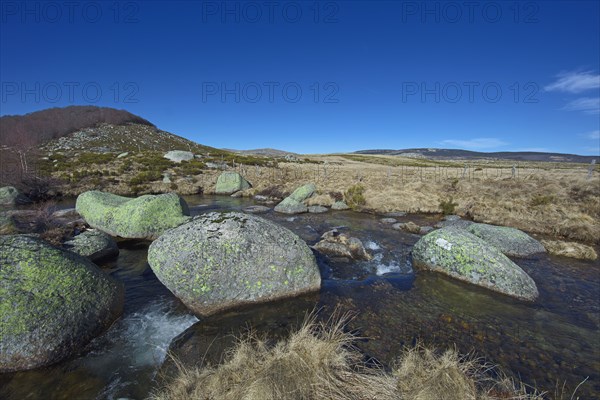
145, 177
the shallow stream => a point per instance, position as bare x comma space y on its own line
545, 344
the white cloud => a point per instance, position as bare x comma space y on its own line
478, 143
575, 82
593, 135
588, 105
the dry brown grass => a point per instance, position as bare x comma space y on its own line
553, 201
570, 249
319, 362
545, 198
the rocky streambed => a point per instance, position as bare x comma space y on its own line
543, 342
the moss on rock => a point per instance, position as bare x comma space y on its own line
222, 260
53, 302
230, 182
464, 256
144, 217
510, 241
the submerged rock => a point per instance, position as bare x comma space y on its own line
410, 227
336, 244
219, 261
462, 255
425, 229
388, 220
256, 209
395, 214
145, 217
230, 182
66, 213
53, 302
510, 241
179, 156
93, 244
293, 204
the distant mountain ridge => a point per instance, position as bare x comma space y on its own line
454, 154
268, 152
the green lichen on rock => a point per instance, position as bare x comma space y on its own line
8, 196
510, 241
222, 260
303, 192
462, 255
53, 302
144, 217
293, 204
93, 244
230, 182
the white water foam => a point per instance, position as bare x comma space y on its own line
149, 332
371, 245
135, 347
382, 269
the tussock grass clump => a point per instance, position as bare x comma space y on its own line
570, 249
319, 362
448, 206
355, 197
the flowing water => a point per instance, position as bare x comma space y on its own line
553, 341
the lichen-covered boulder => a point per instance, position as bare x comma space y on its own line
303, 192
293, 204
53, 302
317, 209
230, 182
222, 260
93, 244
8, 196
510, 241
179, 155
144, 217
462, 255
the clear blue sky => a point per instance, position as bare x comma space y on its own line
488, 76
